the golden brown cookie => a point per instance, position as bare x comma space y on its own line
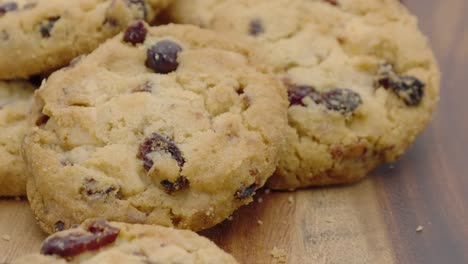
15, 104
173, 125
39, 36
361, 78
98, 241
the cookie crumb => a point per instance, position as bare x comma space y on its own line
229, 218
6, 237
210, 211
290, 199
259, 222
420, 229
17, 198
260, 200
278, 254
267, 191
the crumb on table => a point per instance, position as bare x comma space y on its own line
419, 228
6, 237
278, 254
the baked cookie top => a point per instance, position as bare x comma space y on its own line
39, 36
15, 103
173, 125
361, 78
98, 241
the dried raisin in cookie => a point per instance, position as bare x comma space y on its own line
98, 241
15, 103
38, 36
173, 125
361, 78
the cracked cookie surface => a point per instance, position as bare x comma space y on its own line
39, 36
15, 103
361, 79
98, 241
179, 127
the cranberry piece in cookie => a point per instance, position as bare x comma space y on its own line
179, 184
162, 57
296, 93
7, 7
47, 26
135, 33
42, 120
94, 190
344, 101
159, 143
408, 88
256, 27
99, 234
332, 2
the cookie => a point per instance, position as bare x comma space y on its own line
98, 241
173, 125
39, 36
361, 78
15, 103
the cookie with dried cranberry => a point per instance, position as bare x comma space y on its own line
39, 36
15, 103
173, 125
98, 241
361, 78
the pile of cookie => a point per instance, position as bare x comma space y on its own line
162, 115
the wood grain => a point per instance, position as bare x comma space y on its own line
332, 225
17, 223
374, 221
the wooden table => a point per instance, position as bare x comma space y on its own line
374, 221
